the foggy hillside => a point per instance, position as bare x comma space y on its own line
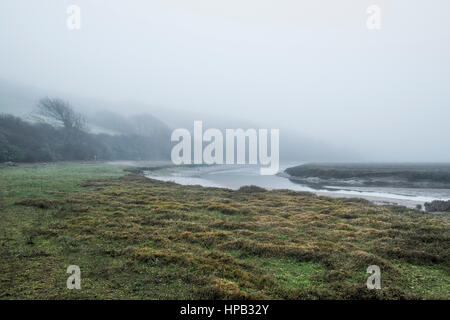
144, 120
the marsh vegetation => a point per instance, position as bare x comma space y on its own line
137, 238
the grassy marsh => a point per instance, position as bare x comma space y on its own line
137, 238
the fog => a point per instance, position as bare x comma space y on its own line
310, 68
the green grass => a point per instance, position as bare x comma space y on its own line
34, 180
136, 238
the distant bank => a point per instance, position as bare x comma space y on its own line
431, 178
373, 175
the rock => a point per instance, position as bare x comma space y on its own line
437, 206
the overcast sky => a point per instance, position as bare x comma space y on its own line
311, 66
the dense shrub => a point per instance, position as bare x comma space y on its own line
437, 206
22, 141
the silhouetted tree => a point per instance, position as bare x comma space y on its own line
57, 112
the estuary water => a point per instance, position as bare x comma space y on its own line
234, 177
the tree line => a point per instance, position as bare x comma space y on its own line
56, 132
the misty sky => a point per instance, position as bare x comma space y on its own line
310, 66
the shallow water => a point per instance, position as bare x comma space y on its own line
234, 177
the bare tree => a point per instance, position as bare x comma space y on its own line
57, 112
